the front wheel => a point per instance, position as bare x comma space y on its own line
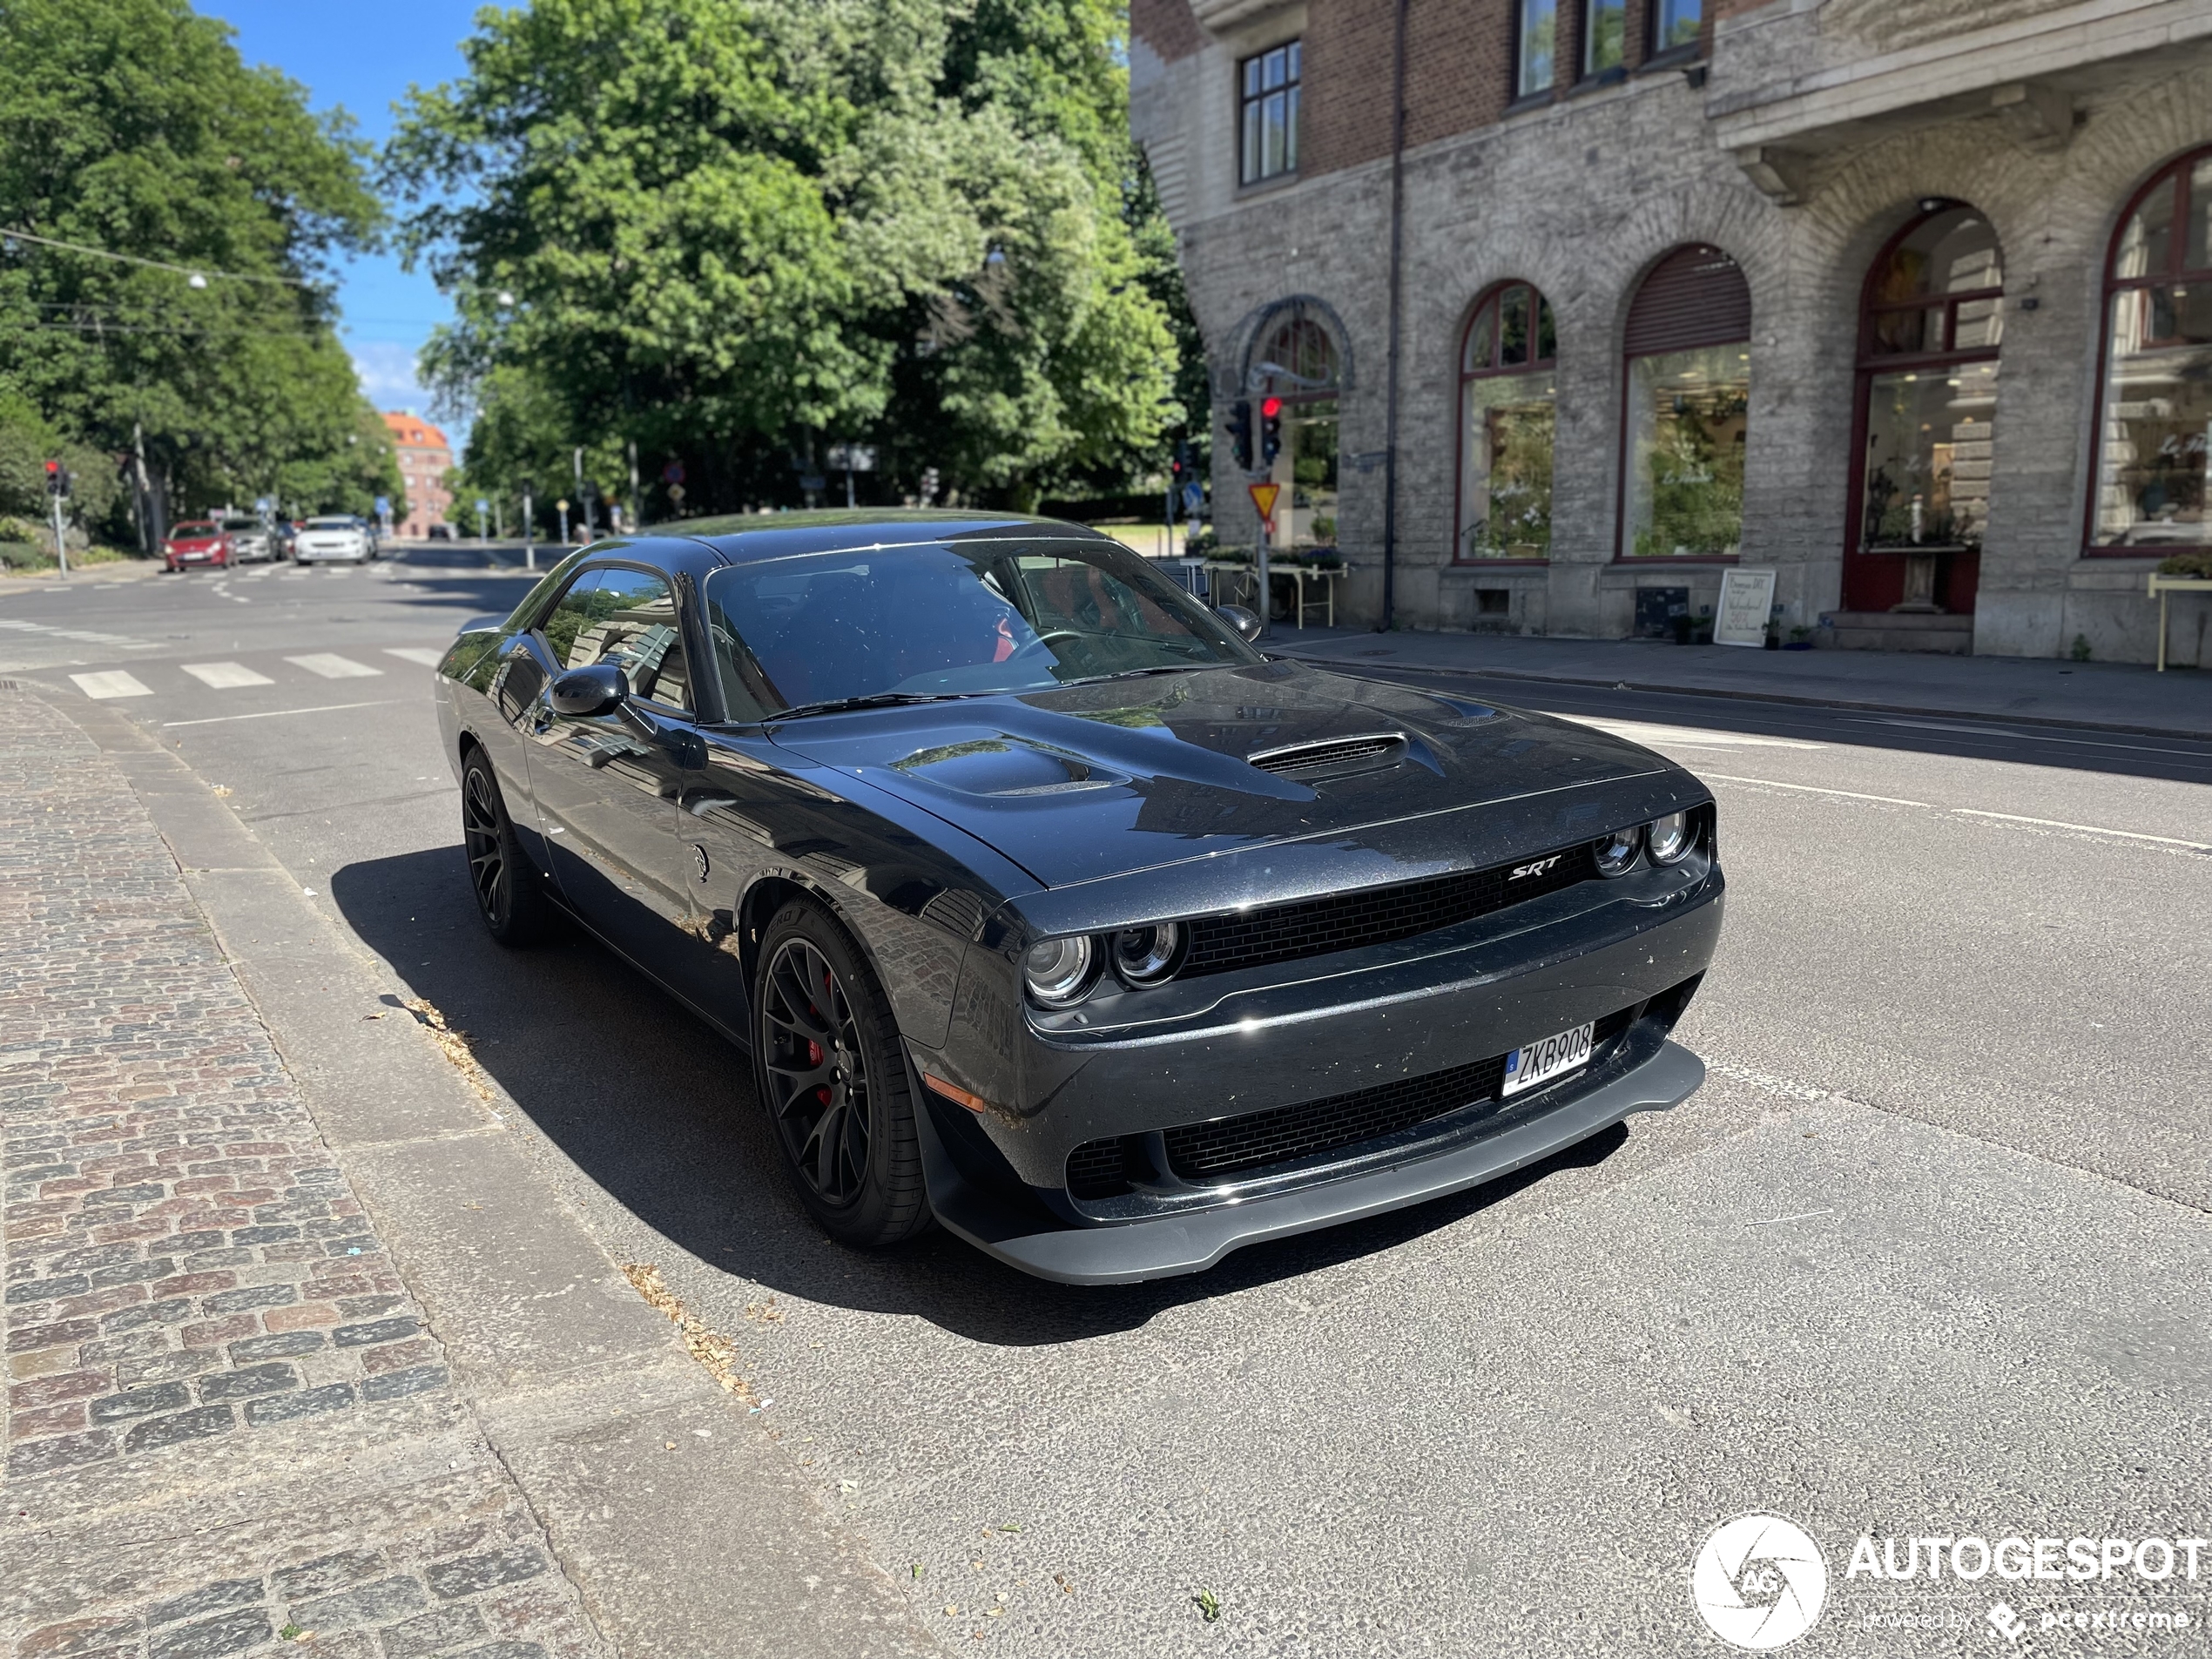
828, 1065
514, 907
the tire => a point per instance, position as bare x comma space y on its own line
514, 907
833, 1077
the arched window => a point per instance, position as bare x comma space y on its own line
1297, 363
1931, 320
2157, 404
1505, 424
1688, 376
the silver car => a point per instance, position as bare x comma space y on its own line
332, 538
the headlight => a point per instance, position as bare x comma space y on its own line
1668, 839
1059, 971
1147, 955
1617, 853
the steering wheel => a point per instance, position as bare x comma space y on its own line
1042, 640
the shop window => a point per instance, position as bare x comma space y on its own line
1605, 37
1269, 84
1536, 32
1930, 323
1298, 364
1688, 376
1676, 24
2156, 407
1506, 422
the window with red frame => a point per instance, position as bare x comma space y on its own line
1507, 389
2156, 408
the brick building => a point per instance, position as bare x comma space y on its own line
425, 458
1908, 300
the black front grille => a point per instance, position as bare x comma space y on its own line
1201, 1153
1376, 915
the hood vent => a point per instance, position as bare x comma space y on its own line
1380, 748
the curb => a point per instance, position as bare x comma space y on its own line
1856, 707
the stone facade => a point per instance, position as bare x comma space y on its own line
1799, 136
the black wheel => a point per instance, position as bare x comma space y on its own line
830, 1071
508, 895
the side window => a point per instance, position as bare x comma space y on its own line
571, 618
631, 622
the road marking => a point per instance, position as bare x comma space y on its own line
332, 666
1689, 737
427, 655
1809, 789
271, 714
2019, 735
113, 682
222, 676
2091, 829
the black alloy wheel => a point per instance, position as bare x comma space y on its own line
831, 1073
508, 896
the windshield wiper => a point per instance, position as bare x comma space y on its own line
1139, 673
873, 700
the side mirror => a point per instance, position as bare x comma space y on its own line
1245, 623
588, 690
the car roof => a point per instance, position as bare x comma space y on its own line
742, 538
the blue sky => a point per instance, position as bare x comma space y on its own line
363, 55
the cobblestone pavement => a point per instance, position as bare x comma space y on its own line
229, 1428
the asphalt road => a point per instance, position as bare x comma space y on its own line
1928, 1256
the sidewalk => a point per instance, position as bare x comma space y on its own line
2120, 697
305, 1353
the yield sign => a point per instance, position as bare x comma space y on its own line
1264, 498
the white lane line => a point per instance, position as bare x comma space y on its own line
332, 666
428, 656
222, 676
1968, 811
113, 682
2090, 829
1689, 737
271, 714
1809, 789
12, 622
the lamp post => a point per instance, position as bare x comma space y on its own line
529, 540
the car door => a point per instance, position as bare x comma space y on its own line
605, 785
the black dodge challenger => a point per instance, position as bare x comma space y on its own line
1052, 910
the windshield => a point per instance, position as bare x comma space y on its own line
331, 525
189, 529
949, 620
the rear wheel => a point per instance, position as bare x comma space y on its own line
830, 1071
508, 896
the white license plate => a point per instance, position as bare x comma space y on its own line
1554, 1057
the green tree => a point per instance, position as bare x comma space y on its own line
726, 230
132, 127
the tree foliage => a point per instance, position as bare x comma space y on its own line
134, 126
727, 230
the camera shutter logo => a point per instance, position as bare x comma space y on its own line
1759, 1582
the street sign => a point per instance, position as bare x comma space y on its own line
672, 474
1194, 497
813, 481
676, 493
483, 506
383, 505
852, 457
561, 506
1264, 498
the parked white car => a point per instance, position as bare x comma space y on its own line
332, 538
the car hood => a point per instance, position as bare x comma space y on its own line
1092, 781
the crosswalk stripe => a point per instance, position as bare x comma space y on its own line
332, 666
222, 676
422, 654
113, 682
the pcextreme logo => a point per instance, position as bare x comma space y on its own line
1759, 1582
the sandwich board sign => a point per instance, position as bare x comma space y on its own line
1747, 601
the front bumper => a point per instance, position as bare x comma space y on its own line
1030, 1237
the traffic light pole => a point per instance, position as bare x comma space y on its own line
61, 542
1265, 626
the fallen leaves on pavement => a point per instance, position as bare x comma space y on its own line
453, 1044
711, 1349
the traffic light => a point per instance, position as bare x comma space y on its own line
57, 480
1240, 433
1271, 430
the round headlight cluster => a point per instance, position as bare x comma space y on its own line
1060, 973
1665, 841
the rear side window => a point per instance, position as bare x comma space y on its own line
627, 617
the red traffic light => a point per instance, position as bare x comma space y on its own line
52, 468
1271, 406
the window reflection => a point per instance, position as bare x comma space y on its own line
1688, 412
1507, 427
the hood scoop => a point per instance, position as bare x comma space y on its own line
1331, 755
1008, 768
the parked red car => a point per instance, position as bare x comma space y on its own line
196, 540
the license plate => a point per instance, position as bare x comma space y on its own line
1554, 1057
